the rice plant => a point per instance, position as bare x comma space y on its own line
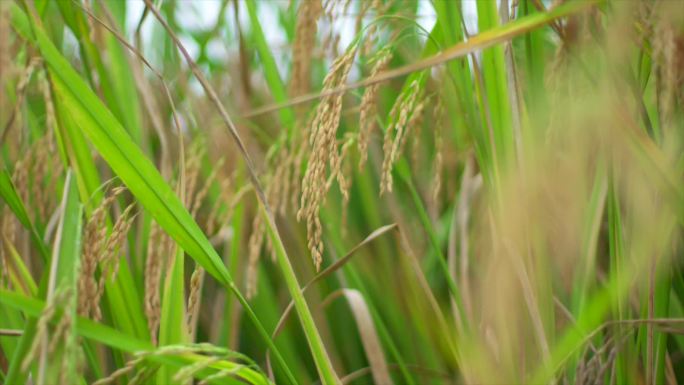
341, 192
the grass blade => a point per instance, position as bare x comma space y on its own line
9, 195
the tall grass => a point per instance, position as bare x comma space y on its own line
396, 191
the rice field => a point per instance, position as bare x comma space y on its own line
341, 192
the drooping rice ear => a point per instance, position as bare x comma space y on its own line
308, 13
368, 107
324, 152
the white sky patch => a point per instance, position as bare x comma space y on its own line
470, 16
426, 15
201, 15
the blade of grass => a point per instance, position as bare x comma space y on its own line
355, 281
124, 88
115, 93
172, 326
616, 250
402, 170
9, 195
270, 70
495, 88
323, 363
64, 276
330, 270
369, 336
20, 276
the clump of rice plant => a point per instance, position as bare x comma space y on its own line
449, 192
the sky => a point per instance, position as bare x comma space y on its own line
199, 14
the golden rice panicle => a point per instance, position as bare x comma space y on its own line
364, 7
324, 152
62, 338
668, 56
196, 281
109, 261
188, 372
331, 10
404, 108
413, 124
283, 185
40, 165
53, 167
215, 215
204, 190
193, 165
304, 42
346, 169
437, 119
298, 153
368, 110
370, 38
93, 247
62, 295
158, 248
34, 63
20, 176
22, 83
256, 239
117, 374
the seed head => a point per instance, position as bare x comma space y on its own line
404, 108
304, 42
324, 152
368, 108
93, 251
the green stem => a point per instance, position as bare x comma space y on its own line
320, 356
